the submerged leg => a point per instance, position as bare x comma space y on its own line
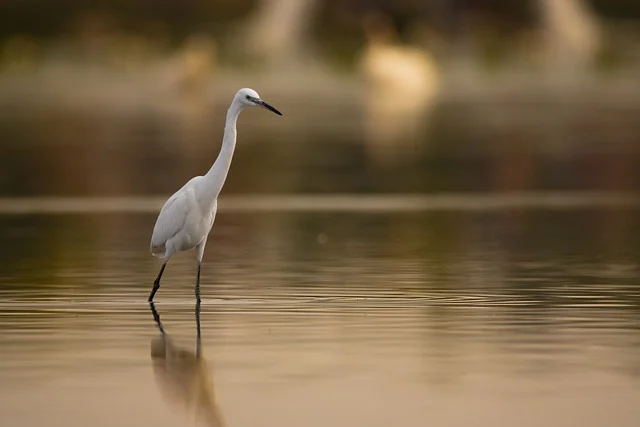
156, 283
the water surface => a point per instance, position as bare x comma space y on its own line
455, 317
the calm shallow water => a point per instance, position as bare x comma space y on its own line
309, 318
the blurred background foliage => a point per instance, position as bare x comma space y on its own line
164, 25
378, 95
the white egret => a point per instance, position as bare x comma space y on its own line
187, 216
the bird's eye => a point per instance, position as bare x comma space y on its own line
248, 97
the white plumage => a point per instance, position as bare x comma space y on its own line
187, 216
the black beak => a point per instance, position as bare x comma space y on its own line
268, 107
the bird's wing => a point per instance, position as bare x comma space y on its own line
170, 221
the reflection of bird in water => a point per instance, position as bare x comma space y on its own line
183, 376
402, 85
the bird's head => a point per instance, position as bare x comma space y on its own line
249, 98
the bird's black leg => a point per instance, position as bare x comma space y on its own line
198, 283
156, 283
198, 335
156, 317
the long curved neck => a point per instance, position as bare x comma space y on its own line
217, 175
